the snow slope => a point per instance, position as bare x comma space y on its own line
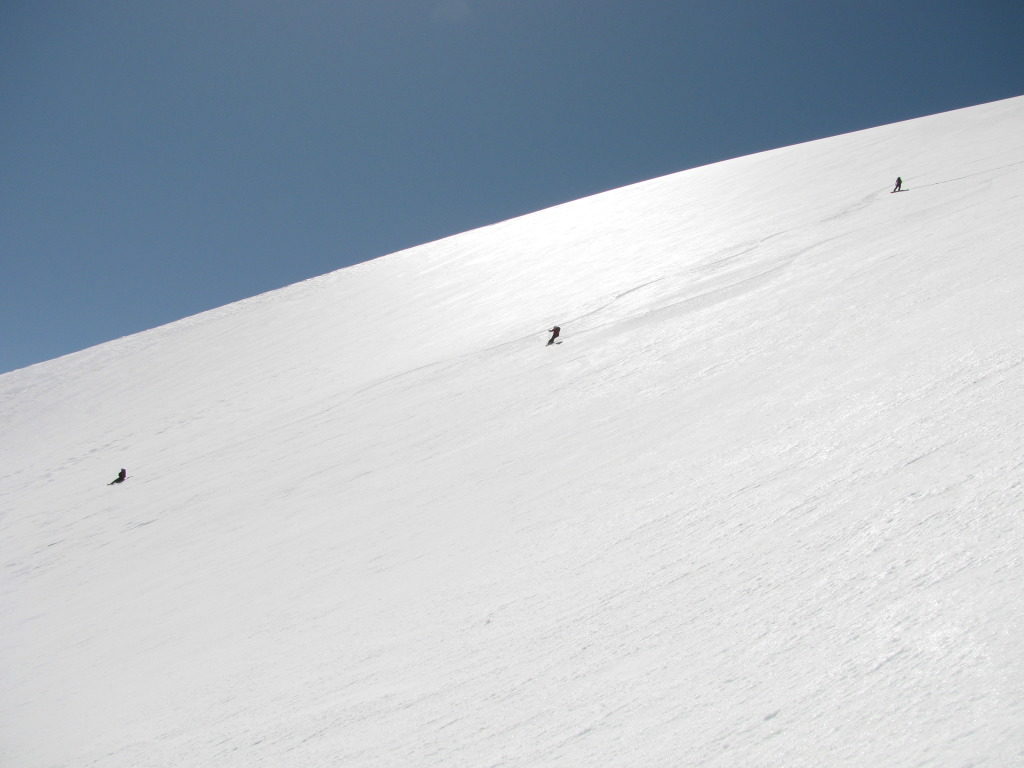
762, 507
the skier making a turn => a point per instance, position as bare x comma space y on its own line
899, 184
120, 477
554, 334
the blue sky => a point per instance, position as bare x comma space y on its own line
162, 158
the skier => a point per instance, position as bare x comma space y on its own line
554, 334
120, 477
899, 184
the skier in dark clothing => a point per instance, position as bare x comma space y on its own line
899, 184
554, 334
120, 477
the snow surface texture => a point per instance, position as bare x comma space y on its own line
762, 506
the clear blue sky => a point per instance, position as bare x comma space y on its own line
162, 157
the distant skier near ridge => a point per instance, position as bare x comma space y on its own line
554, 334
121, 476
899, 184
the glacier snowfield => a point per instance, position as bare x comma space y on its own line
764, 505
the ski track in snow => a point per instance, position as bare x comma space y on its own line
761, 507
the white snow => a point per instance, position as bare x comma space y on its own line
762, 507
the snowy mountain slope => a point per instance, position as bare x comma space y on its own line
762, 507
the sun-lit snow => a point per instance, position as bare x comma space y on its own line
764, 505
